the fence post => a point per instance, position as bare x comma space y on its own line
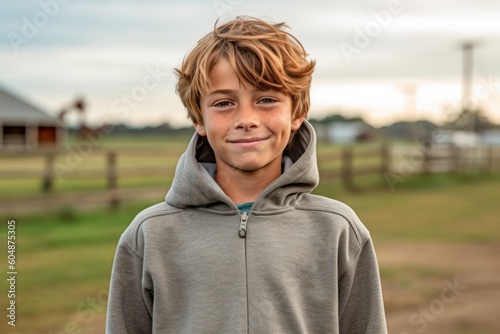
111, 170
112, 176
456, 156
386, 159
427, 162
489, 160
48, 176
347, 166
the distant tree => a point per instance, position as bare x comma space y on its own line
471, 120
336, 117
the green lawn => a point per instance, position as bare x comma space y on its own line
63, 262
64, 258
435, 207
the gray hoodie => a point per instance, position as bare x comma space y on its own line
298, 263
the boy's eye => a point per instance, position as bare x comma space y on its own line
267, 100
222, 104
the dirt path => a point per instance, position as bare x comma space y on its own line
461, 291
437, 289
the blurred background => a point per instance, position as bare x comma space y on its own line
405, 102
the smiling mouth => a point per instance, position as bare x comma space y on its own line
247, 142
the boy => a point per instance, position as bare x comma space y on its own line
240, 245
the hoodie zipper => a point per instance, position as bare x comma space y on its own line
243, 225
242, 233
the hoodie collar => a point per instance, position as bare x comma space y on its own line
194, 185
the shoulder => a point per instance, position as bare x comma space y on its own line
335, 212
350, 234
147, 219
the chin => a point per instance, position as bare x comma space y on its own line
248, 166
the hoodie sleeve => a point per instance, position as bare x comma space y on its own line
129, 304
360, 294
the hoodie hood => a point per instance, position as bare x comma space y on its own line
194, 185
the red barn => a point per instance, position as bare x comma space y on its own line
25, 127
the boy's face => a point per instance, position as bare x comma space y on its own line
247, 128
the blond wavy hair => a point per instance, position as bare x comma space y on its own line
261, 53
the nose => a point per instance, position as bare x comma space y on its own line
247, 117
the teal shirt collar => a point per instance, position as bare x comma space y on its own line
245, 207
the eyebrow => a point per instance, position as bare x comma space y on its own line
222, 91
232, 91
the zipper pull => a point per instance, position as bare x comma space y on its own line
243, 225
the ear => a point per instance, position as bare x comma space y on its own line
200, 129
296, 123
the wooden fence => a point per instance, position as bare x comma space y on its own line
346, 164
353, 163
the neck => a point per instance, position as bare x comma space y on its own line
245, 186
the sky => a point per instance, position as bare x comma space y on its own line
370, 54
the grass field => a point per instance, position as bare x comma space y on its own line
64, 258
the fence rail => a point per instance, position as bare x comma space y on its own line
346, 164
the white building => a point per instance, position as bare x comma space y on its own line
490, 137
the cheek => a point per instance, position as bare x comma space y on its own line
215, 131
281, 123
212, 126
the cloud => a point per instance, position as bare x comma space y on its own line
102, 47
